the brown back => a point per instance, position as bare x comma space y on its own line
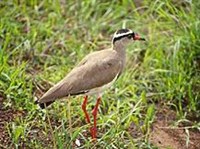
95, 70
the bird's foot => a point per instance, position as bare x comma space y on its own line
93, 131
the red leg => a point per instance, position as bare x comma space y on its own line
84, 109
94, 113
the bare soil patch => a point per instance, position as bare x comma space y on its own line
164, 135
6, 116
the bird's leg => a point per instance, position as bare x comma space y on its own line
84, 109
94, 113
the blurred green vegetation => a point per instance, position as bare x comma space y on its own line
40, 41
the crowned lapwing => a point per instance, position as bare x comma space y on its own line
94, 74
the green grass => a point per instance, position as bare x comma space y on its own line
41, 41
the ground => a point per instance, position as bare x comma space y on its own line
165, 135
154, 103
162, 134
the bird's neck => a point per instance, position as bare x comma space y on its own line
121, 49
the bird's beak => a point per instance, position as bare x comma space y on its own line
137, 37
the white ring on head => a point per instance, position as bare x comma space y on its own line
122, 34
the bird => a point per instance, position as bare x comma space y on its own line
93, 75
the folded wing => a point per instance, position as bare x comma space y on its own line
94, 71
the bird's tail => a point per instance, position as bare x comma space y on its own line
44, 105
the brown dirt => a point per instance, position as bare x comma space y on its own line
164, 135
6, 116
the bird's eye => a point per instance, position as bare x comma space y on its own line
129, 36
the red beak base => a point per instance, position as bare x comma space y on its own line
137, 37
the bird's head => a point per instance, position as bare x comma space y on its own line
125, 36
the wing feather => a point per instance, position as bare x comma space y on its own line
94, 71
